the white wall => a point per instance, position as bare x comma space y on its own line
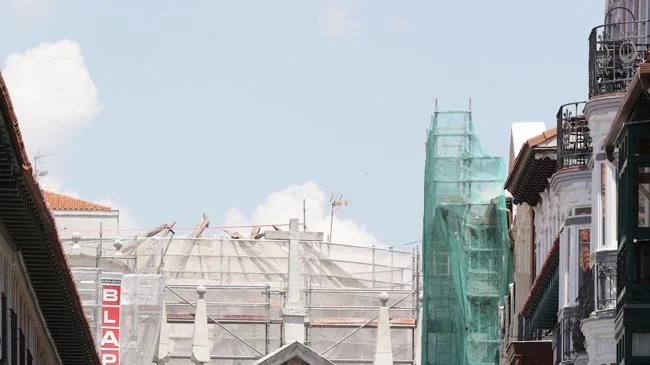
604, 207
87, 223
522, 255
21, 299
567, 190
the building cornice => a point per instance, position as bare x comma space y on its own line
569, 176
86, 213
607, 101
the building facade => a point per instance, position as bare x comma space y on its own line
578, 245
627, 147
88, 219
42, 321
550, 183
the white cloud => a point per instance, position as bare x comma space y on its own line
55, 99
282, 205
51, 183
337, 22
53, 94
128, 223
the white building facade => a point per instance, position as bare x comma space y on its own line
73, 215
599, 327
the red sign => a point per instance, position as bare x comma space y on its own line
110, 321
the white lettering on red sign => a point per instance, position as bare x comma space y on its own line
111, 295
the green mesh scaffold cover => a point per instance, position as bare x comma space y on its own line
466, 255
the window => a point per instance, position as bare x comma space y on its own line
3, 326
643, 210
643, 263
643, 147
13, 345
621, 268
21, 348
606, 288
640, 344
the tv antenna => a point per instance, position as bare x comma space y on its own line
334, 203
39, 156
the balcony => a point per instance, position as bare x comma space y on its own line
573, 140
615, 52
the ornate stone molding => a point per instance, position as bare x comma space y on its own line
603, 102
599, 340
600, 113
564, 179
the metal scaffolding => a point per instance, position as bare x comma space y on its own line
246, 288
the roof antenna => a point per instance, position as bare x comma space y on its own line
37, 158
334, 203
470, 104
435, 103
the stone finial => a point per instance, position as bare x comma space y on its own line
118, 246
200, 338
200, 290
76, 248
383, 348
383, 298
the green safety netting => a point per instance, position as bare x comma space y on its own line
466, 256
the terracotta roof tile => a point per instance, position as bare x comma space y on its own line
544, 136
63, 202
522, 156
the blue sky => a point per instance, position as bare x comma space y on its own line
213, 105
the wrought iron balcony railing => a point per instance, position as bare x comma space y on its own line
615, 52
573, 139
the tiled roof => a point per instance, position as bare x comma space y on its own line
544, 136
530, 173
30, 224
63, 202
